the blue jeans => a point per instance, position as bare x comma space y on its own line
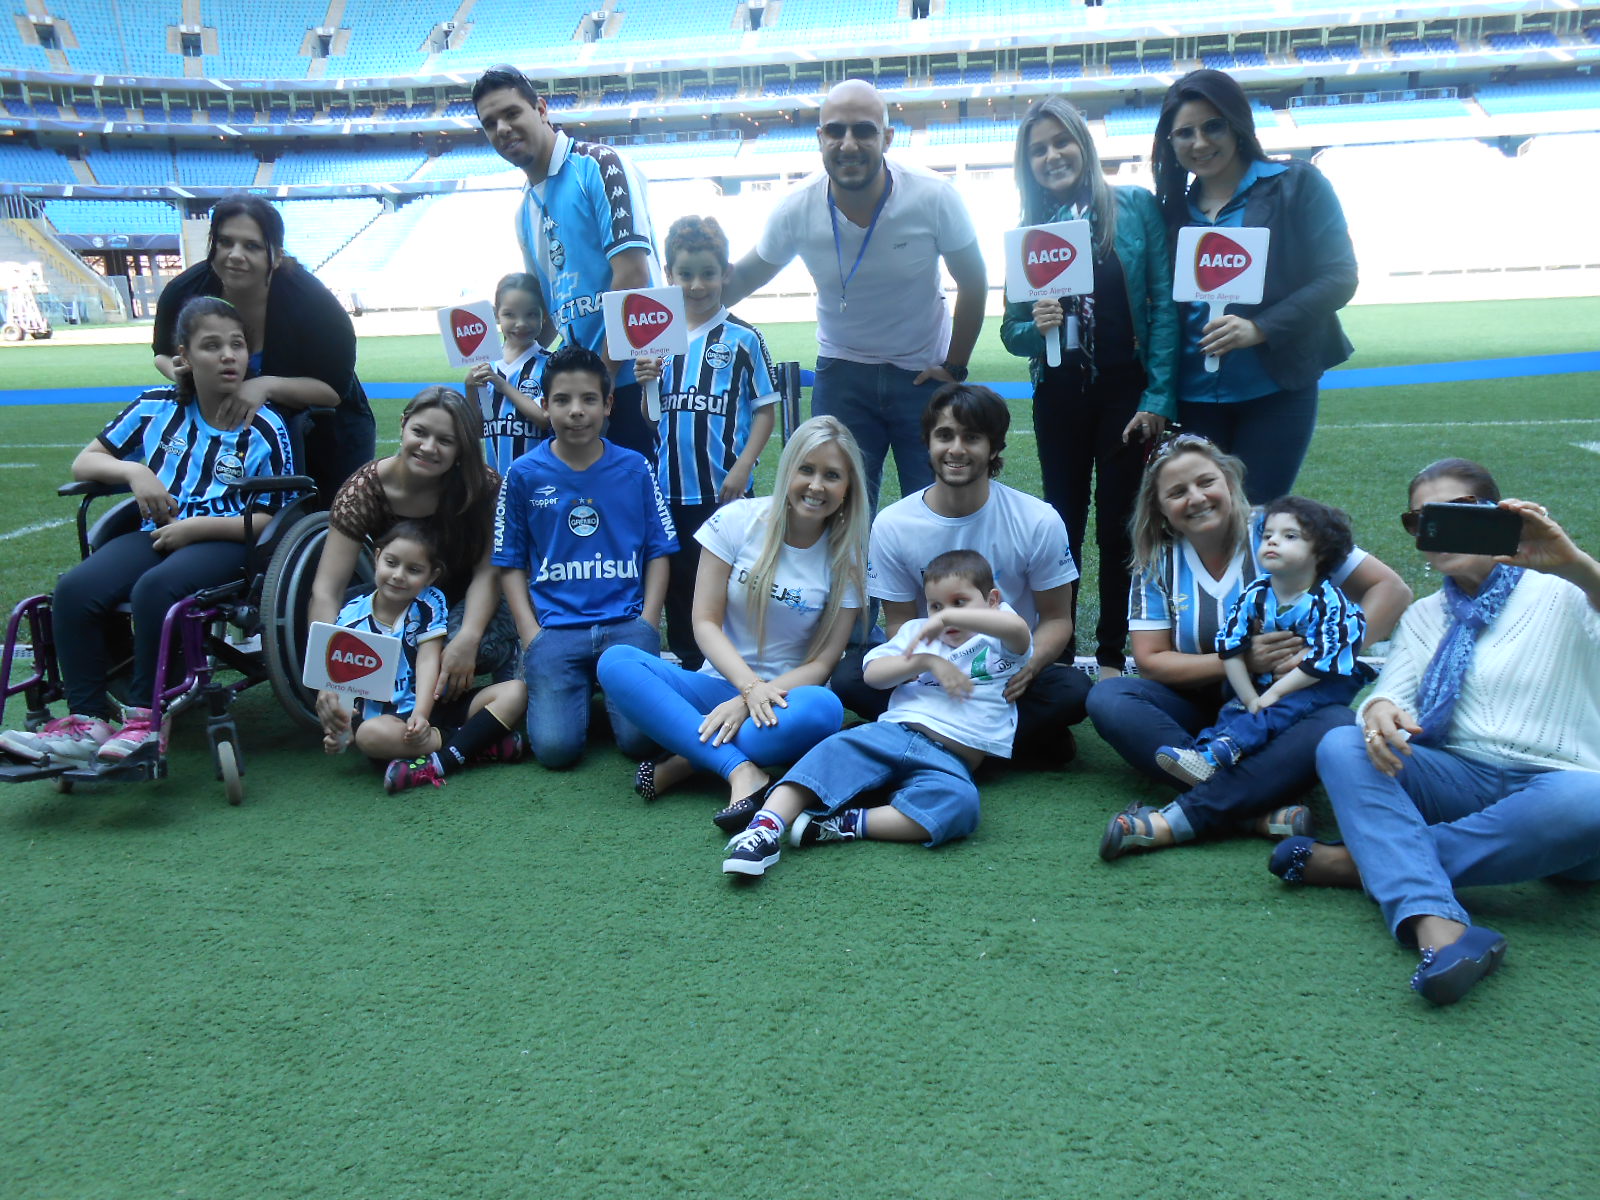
1447, 821
668, 703
926, 782
1138, 716
559, 667
1238, 732
1271, 434
880, 405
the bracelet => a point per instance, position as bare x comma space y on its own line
749, 687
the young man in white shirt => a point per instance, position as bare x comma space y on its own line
964, 428
872, 235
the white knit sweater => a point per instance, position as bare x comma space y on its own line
1532, 692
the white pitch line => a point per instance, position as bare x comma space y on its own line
1464, 424
1591, 447
39, 528
17, 466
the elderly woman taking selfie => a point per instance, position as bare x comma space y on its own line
1477, 760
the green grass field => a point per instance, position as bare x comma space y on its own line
528, 984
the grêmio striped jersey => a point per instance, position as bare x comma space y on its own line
709, 397
507, 433
195, 461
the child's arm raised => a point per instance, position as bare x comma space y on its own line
1008, 628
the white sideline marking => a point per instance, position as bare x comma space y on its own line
1591, 447
17, 466
39, 528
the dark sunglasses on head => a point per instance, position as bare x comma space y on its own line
1411, 519
1213, 129
862, 131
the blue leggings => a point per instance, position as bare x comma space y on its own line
668, 703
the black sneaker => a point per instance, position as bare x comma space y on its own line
752, 852
809, 829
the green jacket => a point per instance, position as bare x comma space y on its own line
1142, 248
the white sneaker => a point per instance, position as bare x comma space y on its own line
137, 729
73, 739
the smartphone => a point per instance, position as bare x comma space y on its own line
1469, 529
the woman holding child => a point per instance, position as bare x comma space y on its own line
1477, 760
438, 477
779, 586
1197, 545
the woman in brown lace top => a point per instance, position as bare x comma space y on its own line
437, 477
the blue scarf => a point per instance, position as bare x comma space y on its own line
1470, 616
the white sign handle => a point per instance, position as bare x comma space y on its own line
1052, 346
1213, 361
652, 398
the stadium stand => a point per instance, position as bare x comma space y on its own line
503, 29
313, 230
464, 162
132, 166
1377, 110
329, 166
112, 216
387, 38
217, 168
261, 41
18, 53
25, 164
1550, 95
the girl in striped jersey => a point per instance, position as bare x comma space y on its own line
716, 411
177, 451
507, 393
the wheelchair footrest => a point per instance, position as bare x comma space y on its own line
18, 772
144, 763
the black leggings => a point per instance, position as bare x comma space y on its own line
128, 568
1079, 436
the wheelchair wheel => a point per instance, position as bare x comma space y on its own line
285, 599
228, 767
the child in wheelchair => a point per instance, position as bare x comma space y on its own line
421, 737
177, 450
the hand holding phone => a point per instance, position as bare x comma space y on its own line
1457, 528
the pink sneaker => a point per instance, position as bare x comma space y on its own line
74, 739
409, 773
137, 731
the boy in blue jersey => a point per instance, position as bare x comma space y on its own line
583, 225
716, 411
582, 536
508, 393
419, 738
1302, 543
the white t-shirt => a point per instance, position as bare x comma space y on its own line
984, 720
1023, 538
896, 310
734, 533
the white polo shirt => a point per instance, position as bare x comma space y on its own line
895, 306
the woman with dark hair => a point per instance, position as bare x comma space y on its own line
1196, 545
302, 345
1113, 391
1261, 404
1477, 760
437, 477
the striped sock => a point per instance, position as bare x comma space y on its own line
771, 820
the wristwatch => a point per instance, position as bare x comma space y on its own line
957, 371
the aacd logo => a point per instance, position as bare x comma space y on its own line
1218, 259
644, 318
468, 329
349, 657
1044, 256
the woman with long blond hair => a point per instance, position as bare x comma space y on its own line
779, 587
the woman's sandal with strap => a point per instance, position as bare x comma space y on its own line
1129, 830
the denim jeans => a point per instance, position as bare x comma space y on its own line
1271, 434
880, 405
1448, 821
559, 667
1138, 716
667, 703
1237, 732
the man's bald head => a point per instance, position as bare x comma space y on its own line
853, 132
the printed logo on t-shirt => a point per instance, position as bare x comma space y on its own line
229, 468
718, 355
558, 254
583, 520
174, 444
544, 497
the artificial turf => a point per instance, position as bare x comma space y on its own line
532, 984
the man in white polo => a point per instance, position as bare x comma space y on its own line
1024, 540
873, 234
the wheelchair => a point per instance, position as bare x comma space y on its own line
267, 606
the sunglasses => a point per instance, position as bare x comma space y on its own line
1172, 441
1213, 129
1411, 519
862, 131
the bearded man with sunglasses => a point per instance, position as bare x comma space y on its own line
873, 234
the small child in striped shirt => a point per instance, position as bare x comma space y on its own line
1302, 543
508, 393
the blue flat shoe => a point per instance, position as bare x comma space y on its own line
1289, 859
1446, 975
1129, 830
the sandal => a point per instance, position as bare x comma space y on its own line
1293, 820
736, 816
1129, 830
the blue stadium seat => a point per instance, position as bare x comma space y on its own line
26, 164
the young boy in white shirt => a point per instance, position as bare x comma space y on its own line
948, 712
